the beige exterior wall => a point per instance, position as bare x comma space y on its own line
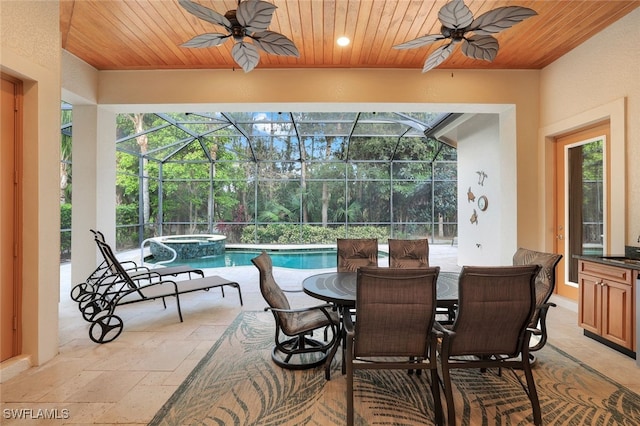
30, 51
264, 87
362, 90
589, 82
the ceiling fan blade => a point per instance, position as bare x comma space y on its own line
206, 40
480, 47
455, 14
205, 13
437, 57
500, 19
255, 15
246, 55
420, 41
275, 43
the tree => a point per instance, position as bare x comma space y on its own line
201, 172
66, 139
143, 142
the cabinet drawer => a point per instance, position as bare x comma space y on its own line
607, 272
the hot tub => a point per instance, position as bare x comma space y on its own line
187, 246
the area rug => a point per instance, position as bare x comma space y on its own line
236, 383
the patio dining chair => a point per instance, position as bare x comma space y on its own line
295, 347
409, 253
545, 285
395, 314
356, 252
491, 328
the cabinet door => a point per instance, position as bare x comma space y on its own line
617, 315
589, 306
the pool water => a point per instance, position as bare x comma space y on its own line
294, 259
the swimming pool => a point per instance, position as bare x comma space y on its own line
294, 259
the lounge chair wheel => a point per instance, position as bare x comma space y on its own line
105, 329
86, 299
93, 310
80, 290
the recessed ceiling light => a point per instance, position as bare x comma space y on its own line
343, 41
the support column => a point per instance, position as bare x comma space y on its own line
93, 186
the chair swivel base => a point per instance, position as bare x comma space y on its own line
293, 355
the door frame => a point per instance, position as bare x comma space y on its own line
17, 211
600, 131
615, 112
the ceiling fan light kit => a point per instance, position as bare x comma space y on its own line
459, 26
249, 21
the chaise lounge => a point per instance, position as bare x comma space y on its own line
104, 271
121, 288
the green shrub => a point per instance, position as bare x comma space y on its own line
127, 226
65, 231
309, 234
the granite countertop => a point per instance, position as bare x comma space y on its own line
630, 259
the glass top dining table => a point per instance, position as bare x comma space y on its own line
339, 288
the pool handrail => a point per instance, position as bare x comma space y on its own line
164, 246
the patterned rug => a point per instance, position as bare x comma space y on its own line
236, 383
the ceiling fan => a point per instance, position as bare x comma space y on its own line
250, 20
457, 21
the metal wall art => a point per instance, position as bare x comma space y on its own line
482, 202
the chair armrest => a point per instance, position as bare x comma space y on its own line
543, 308
541, 330
443, 336
133, 265
293, 311
441, 330
347, 322
322, 308
534, 331
109, 284
138, 270
146, 275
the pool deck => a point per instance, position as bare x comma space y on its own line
443, 255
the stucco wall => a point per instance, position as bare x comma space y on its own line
489, 238
362, 90
30, 51
598, 72
79, 81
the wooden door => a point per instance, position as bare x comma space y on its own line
9, 218
569, 194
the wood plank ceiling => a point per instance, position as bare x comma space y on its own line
147, 34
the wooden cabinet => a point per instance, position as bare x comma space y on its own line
606, 303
